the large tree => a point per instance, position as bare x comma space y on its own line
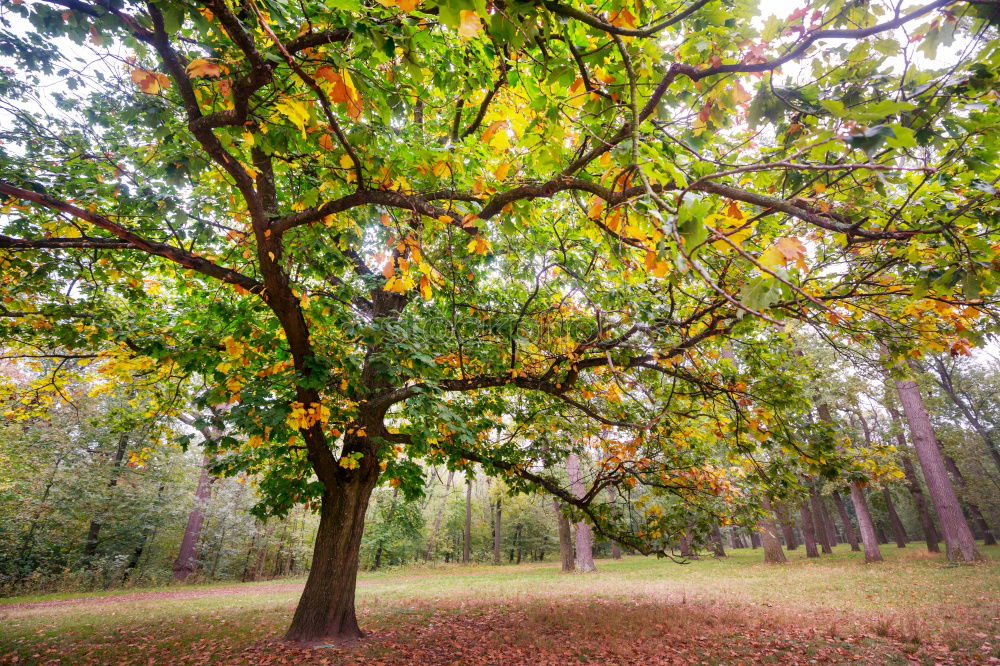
386, 231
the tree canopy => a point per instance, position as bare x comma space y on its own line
497, 233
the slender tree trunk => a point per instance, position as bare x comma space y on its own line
754, 540
497, 535
432, 540
718, 549
845, 518
377, 563
565, 538
868, 537
959, 542
808, 536
897, 525
467, 535
773, 554
326, 608
93, 533
977, 515
819, 529
584, 538
185, 563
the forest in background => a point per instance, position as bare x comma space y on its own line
96, 496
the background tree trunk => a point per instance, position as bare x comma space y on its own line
718, 548
497, 535
186, 560
959, 542
432, 539
845, 518
868, 537
787, 527
565, 538
467, 535
773, 554
819, 529
584, 538
897, 525
987, 434
977, 515
94, 531
808, 536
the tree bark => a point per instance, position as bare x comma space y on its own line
831, 527
913, 484
845, 518
186, 560
467, 536
819, 529
959, 542
868, 538
584, 538
565, 539
808, 536
897, 525
432, 540
496, 531
773, 554
616, 551
718, 548
754, 540
326, 608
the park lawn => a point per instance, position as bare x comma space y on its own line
911, 608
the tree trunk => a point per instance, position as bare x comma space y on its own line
186, 560
819, 529
845, 518
831, 527
584, 538
977, 515
913, 484
467, 537
718, 549
897, 525
754, 540
868, 538
496, 531
432, 540
808, 536
93, 533
773, 554
565, 538
787, 527
326, 608
959, 542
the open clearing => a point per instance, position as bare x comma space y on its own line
911, 609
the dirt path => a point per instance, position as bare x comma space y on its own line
178, 594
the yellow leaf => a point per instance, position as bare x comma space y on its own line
295, 111
425, 288
470, 24
441, 169
478, 245
784, 251
502, 171
149, 82
819, 188
326, 142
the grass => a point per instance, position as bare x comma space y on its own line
638, 610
